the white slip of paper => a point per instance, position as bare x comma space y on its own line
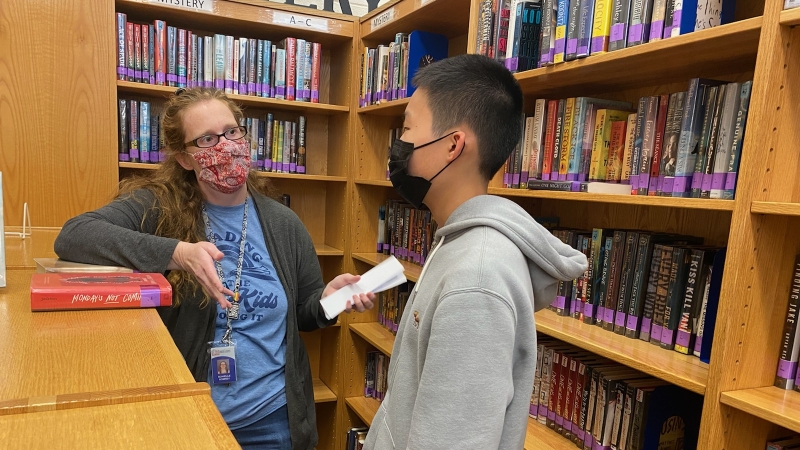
385, 275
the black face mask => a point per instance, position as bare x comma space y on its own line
413, 189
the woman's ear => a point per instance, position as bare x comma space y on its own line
184, 160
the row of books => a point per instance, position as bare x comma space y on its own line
659, 288
685, 144
786, 376
597, 403
405, 232
375, 375
356, 437
391, 304
275, 145
526, 34
387, 70
168, 56
140, 137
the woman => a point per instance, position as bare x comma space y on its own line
203, 218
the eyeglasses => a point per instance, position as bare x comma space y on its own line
210, 140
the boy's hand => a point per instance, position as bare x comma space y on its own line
360, 303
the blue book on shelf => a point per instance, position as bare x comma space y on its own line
423, 49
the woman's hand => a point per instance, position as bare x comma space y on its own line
360, 303
198, 259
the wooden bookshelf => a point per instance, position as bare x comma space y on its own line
712, 52
775, 208
682, 370
769, 403
540, 437
364, 407
327, 250
447, 17
790, 17
276, 175
382, 183
322, 393
669, 202
393, 108
376, 335
412, 271
152, 90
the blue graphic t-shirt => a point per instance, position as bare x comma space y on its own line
260, 331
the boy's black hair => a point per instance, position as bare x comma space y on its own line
478, 92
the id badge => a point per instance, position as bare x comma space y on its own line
223, 363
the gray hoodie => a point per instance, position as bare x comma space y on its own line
462, 367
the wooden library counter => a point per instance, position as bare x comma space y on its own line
20, 252
188, 422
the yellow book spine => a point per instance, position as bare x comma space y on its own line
597, 147
601, 26
611, 117
566, 138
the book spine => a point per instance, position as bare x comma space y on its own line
144, 132
253, 57
648, 308
269, 68
191, 51
641, 114
641, 275
601, 26
229, 61
133, 109
618, 33
137, 56
648, 139
738, 139
630, 135
614, 273
626, 281
661, 122
280, 74
537, 157
124, 146
290, 46
660, 299
315, 71
576, 139
573, 29
587, 142
562, 21
300, 68
695, 279
713, 142
689, 136
677, 289
557, 139
566, 139
301, 149
669, 150
726, 135
616, 151
549, 138
657, 20
122, 65
181, 64
790, 342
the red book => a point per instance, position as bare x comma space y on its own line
549, 138
66, 291
661, 123
130, 51
290, 45
316, 62
137, 42
160, 49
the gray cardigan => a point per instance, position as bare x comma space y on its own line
116, 234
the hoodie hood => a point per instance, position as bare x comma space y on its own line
549, 259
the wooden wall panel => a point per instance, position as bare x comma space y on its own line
57, 119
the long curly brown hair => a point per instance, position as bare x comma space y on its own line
177, 195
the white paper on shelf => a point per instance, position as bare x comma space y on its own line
386, 275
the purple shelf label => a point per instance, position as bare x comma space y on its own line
646, 325
634, 183
150, 296
588, 440
572, 177
259, 89
787, 369
160, 78
644, 180
172, 78
268, 165
683, 338
668, 184
730, 181
562, 177
635, 33
505, 178
718, 181
512, 64
632, 322
301, 169
124, 157
242, 87
666, 336
542, 411
137, 74
560, 302
515, 179
315, 96
122, 71
567, 425
228, 84
619, 319
656, 30
572, 46
677, 15
559, 421
292, 168
698, 344
145, 156
581, 177
559, 50
617, 32
251, 88
588, 310
608, 315
134, 153
580, 434
599, 44
152, 79
280, 91
681, 184
182, 80
219, 84
583, 49
601, 313
290, 92
655, 333
551, 415
706, 184
285, 167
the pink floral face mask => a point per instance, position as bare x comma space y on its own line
225, 165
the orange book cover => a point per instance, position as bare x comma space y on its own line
68, 291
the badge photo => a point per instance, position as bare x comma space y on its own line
223, 365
